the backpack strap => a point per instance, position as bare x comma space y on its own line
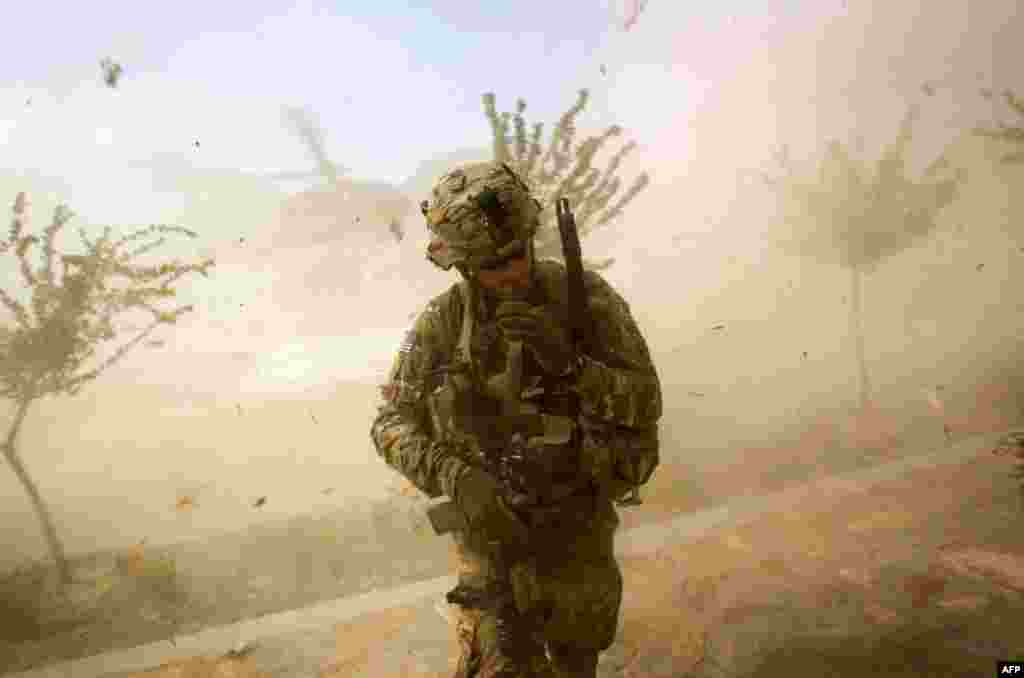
463, 350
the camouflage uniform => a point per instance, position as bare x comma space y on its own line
567, 590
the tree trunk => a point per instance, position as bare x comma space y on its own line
42, 512
857, 333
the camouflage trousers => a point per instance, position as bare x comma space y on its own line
566, 599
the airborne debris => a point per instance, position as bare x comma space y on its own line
259, 502
696, 394
718, 327
635, 7
112, 71
396, 229
979, 267
186, 502
804, 354
928, 88
328, 490
133, 558
240, 651
196, 143
604, 70
311, 416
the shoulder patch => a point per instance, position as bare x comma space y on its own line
389, 392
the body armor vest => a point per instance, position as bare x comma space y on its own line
500, 411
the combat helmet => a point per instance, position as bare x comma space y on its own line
479, 215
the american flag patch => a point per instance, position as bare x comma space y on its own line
408, 343
389, 392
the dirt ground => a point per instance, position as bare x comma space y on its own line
150, 592
923, 575
920, 576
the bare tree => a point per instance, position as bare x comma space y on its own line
306, 126
332, 196
857, 216
1010, 133
50, 343
563, 170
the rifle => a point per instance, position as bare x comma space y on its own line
580, 320
521, 469
580, 323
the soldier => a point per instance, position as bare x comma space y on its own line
489, 403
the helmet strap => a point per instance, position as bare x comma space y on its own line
531, 253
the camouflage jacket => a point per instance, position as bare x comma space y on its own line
619, 390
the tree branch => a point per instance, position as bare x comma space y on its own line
20, 314
73, 385
563, 169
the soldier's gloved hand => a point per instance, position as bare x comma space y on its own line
541, 333
478, 496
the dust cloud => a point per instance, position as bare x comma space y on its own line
311, 292
267, 391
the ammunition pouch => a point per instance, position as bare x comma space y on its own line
618, 458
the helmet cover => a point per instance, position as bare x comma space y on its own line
479, 214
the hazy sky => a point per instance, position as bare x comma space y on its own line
395, 82
392, 81
709, 89
397, 71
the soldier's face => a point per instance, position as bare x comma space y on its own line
513, 275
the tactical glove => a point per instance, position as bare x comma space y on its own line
541, 333
478, 495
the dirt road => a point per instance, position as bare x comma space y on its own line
911, 568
